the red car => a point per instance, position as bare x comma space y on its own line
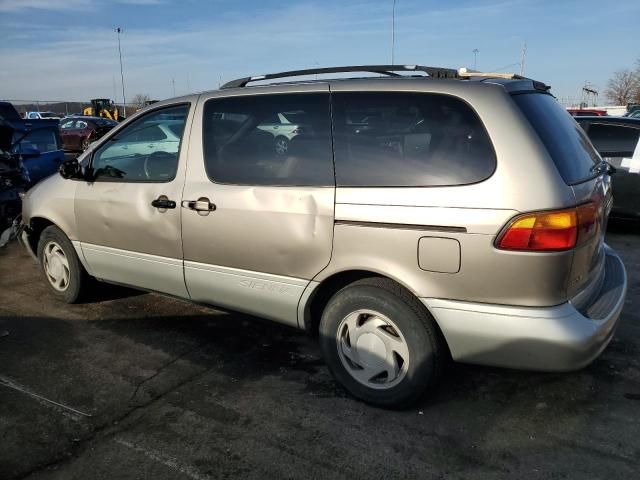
78, 132
586, 112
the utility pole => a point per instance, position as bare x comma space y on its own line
522, 56
393, 30
475, 58
124, 100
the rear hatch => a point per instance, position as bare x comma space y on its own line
582, 169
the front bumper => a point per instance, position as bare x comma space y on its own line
559, 338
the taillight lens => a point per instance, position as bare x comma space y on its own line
550, 230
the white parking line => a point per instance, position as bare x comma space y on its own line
166, 460
7, 382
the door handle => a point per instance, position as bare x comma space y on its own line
163, 202
201, 205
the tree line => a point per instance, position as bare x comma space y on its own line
624, 87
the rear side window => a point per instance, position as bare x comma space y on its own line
282, 139
43, 139
402, 139
614, 140
566, 142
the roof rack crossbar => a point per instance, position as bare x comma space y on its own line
432, 72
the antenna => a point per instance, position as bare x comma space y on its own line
118, 30
522, 56
393, 30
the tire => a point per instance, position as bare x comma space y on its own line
375, 324
281, 145
60, 266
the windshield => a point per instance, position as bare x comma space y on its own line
566, 142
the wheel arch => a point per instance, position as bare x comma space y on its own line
37, 225
35, 228
329, 286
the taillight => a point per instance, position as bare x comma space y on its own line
550, 230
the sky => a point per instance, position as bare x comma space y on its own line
67, 49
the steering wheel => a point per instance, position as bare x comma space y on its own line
160, 165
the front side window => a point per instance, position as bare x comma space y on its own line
67, 125
281, 139
146, 150
398, 139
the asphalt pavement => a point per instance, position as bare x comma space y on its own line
132, 385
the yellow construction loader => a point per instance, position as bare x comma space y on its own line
103, 107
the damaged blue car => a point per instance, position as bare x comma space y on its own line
29, 152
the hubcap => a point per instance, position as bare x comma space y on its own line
372, 349
56, 266
281, 146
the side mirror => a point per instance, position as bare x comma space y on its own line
28, 152
71, 170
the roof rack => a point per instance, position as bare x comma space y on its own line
432, 72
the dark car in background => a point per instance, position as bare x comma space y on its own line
40, 147
79, 131
617, 141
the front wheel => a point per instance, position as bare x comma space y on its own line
281, 145
60, 265
380, 343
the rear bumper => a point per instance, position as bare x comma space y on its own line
559, 338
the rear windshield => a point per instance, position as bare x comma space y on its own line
565, 140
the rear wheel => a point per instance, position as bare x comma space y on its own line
380, 343
60, 265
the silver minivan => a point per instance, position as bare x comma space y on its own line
420, 215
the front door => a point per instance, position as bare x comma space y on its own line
257, 221
129, 216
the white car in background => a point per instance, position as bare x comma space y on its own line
284, 127
150, 137
41, 116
